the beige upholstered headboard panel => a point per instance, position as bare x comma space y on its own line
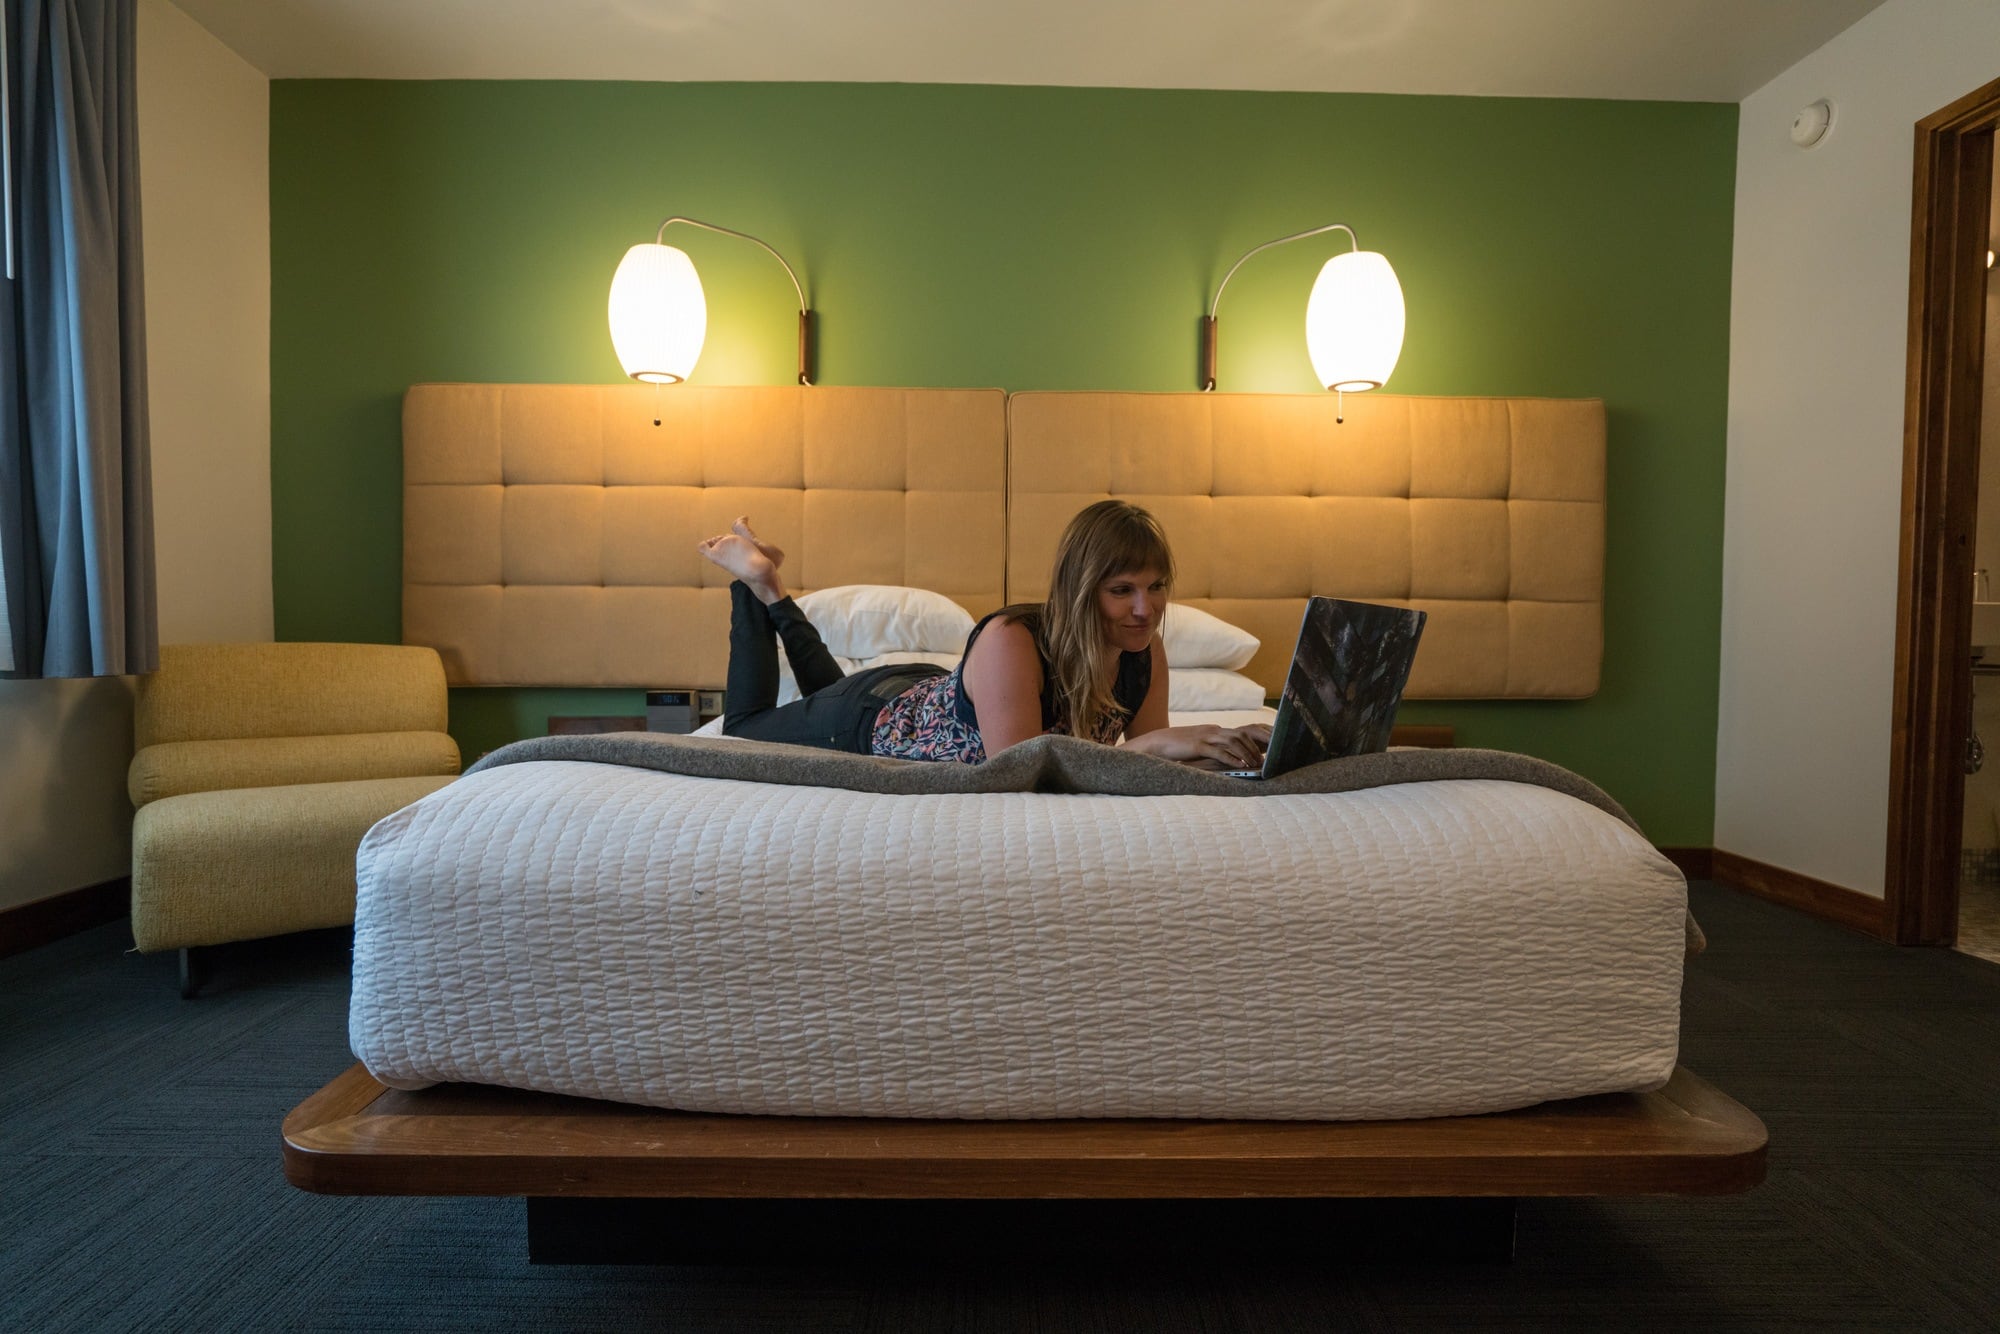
549, 530
1487, 513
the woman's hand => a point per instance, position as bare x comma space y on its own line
1206, 745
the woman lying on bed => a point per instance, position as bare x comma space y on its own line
1092, 652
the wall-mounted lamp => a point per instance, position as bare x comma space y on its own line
659, 316
1354, 318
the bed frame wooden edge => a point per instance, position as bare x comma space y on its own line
356, 1137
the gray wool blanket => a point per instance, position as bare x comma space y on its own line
1053, 764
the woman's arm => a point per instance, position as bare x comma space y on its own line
1202, 743
1002, 676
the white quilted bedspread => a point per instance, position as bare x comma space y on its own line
1417, 950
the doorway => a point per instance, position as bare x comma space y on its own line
1933, 720
1979, 858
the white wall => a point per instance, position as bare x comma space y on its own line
205, 181
204, 132
1818, 342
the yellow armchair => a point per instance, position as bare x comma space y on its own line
258, 768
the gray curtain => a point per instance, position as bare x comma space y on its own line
76, 490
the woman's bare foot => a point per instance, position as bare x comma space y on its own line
776, 555
742, 558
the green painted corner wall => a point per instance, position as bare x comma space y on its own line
1026, 238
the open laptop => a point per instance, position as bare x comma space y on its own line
1348, 673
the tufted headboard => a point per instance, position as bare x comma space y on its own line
549, 530
1487, 513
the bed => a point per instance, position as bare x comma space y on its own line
823, 934
1491, 962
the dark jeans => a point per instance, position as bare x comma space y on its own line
833, 712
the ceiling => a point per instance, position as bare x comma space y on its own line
1674, 50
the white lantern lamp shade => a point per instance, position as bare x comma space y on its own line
1354, 322
659, 316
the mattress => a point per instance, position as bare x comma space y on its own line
1423, 949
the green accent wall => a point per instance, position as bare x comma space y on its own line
1026, 238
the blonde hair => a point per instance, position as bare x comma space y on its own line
1110, 537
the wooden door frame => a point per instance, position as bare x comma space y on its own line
1933, 681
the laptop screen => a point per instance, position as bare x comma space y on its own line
1348, 672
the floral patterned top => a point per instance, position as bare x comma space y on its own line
934, 719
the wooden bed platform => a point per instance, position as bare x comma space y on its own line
356, 1137
609, 1183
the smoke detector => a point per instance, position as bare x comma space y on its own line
1812, 123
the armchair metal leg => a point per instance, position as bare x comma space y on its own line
194, 972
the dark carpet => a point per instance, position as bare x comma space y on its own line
140, 1185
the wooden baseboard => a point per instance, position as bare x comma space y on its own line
1695, 863
31, 925
1829, 902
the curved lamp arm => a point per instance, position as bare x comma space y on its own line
805, 312
1208, 320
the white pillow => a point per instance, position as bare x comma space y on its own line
1222, 717
1201, 689
868, 620
1197, 639
788, 688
